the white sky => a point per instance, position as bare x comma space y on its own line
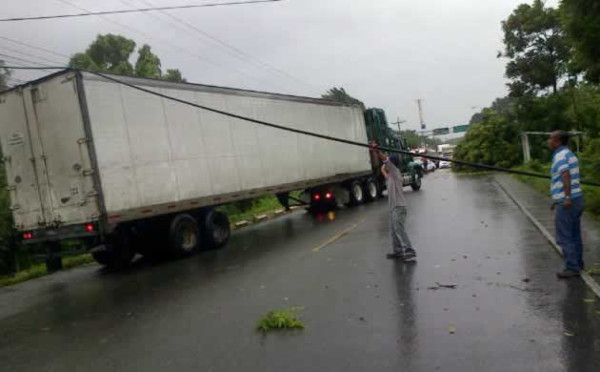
387, 53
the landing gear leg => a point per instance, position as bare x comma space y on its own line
53, 258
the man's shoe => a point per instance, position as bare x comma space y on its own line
566, 274
409, 255
395, 256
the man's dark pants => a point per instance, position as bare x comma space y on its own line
568, 233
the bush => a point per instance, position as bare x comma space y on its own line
492, 141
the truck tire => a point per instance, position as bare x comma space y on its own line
215, 229
371, 188
416, 184
184, 236
357, 194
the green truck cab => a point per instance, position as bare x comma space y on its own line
379, 132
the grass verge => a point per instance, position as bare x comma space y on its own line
280, 319
246, 210
38, 270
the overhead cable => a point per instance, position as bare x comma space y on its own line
123, 11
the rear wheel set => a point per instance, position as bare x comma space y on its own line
181, 236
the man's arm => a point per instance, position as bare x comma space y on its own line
566, 179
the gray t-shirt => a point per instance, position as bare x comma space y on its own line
394, 186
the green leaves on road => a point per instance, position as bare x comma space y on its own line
280, 319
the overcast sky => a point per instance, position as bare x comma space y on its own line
387, 53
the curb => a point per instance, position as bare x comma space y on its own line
589, 281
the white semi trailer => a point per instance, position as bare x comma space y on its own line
131, 172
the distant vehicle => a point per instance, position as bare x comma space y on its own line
446, 150
444, 164
431, 166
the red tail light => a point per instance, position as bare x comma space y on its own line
328, 195
27, 236
89, 227
317, 196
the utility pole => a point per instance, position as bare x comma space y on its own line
398, 122
420, 105
423, 126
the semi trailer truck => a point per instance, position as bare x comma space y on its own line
131, 172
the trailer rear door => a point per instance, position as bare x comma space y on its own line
56, 185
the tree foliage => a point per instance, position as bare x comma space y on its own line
174, 75
340, 95
4, 75
148, 63
414, 139
112, 53
491, 141
537, 48
581, 22
108, 53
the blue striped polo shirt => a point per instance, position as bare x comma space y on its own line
564, 160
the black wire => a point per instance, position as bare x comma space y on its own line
190, 6
317, 135
33, 46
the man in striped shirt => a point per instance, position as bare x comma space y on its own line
568, 203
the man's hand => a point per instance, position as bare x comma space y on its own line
568, 203
384, 171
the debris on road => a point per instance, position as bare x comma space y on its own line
569, 334
526, 280
451, 329
442, 286
280, 319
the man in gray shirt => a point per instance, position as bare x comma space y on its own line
402, 246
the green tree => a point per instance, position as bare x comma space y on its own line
414, 139
537, 49
112, 53
340, 95
174, 75
148, 63
109, 53
491, 141
581, 22
4, 75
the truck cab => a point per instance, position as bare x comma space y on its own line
379, 132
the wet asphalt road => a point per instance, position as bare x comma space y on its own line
362, 312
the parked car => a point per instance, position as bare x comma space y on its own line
431, 166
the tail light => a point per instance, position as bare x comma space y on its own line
90, 227
317, 197
27, 236
328, 195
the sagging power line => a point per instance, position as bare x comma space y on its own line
304, 132
231, 49
123, 11
22, 43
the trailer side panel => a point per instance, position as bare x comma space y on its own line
155, 152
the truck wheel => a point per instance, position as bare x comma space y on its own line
215, 229
184, 236
416, 185
357, 194
372, 190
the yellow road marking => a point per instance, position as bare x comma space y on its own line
338, 236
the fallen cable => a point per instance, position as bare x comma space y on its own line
299, 131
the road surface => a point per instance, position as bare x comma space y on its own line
362, 312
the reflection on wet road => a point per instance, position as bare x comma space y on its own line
362, 311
